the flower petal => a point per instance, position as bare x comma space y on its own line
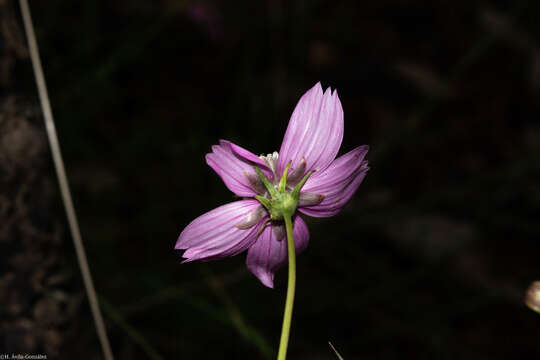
216, 234
269, 254
246, 155
315, 131
337, 183
235, 167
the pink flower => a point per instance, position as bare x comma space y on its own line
310, 146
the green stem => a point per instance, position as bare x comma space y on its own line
287, 316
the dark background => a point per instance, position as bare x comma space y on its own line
430, 259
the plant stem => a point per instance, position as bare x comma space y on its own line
287, 316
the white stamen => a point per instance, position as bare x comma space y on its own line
271, 161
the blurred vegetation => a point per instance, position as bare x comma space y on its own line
431, 258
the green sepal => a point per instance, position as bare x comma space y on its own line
264, 201
267, 184
298, 187
283, 180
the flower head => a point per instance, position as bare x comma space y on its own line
304, 177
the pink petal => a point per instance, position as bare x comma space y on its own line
315, 131
234, 164
215, 235
268, 254
247, 155
337, 183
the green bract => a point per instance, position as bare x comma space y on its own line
282, 201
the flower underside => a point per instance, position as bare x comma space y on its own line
273, 189
279, 196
